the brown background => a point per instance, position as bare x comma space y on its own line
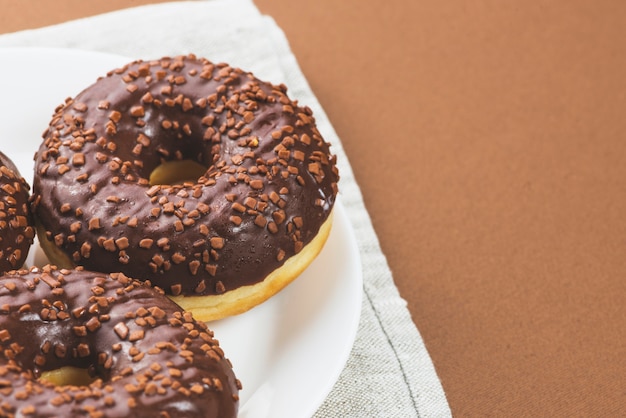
489, 140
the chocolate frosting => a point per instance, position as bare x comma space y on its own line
148, 357
16, 224
270, 183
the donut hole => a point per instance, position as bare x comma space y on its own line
68, 376
177, 172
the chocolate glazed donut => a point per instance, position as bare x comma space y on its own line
266, 187
144, 356
17, 230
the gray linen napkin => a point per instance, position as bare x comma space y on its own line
389, 372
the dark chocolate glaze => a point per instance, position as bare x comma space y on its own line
16, 224
270, 181
147, 356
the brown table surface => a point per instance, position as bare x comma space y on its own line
489, 141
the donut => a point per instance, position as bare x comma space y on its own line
79, 343
194, 175
17, 230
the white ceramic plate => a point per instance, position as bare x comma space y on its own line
289, 351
